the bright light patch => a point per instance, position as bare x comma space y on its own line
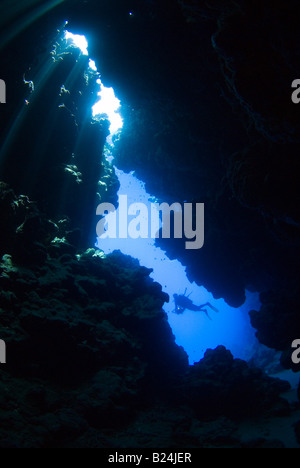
109, 105
78, 41
92, 65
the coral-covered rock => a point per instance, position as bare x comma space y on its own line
90, 351
277, 322
222, 385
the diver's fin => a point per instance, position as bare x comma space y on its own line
212, 307
207, 314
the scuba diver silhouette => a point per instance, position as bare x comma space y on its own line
182, 303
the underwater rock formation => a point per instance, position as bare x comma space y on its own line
89, 348
90, 351
220, 385
272, 330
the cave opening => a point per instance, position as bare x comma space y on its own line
122, 335
194, 331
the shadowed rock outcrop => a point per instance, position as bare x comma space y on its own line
90, 351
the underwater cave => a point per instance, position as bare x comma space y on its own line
149, 187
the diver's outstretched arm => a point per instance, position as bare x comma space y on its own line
184, 294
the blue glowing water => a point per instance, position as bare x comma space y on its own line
193, 330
